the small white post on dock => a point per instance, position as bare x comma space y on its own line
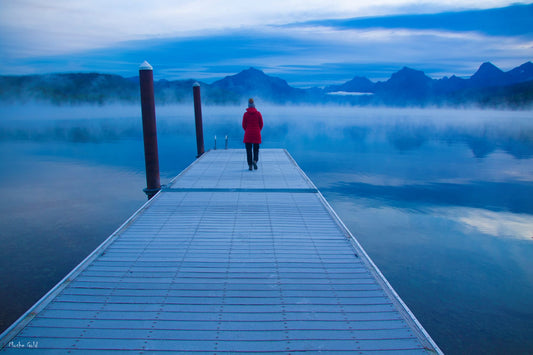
151, 156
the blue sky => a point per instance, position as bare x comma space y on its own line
308, 43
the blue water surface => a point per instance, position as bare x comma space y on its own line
441, 200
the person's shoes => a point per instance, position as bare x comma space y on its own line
249, 167
255, 165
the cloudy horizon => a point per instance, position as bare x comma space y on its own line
311, 43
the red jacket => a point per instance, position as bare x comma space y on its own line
252, 123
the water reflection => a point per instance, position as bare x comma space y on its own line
515, 197
484, 132
497, 224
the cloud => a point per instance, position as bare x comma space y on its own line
508, 21
438, 53
304, 56
67, 26
292, 39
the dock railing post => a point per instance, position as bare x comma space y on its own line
151, 156
198, 119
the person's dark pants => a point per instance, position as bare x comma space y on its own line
249, 157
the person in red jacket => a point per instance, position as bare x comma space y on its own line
252, 123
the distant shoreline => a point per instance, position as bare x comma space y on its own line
489, 87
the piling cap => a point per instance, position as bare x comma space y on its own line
145, 66
196, 84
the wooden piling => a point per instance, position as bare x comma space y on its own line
151, 156
198, 119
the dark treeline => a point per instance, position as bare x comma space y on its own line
489, 87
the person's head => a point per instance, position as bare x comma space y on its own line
251, 102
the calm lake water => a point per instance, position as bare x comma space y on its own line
441, 200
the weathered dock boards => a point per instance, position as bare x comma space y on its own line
225, 260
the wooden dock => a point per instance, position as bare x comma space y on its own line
225, 260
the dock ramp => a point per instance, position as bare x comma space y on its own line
225, 260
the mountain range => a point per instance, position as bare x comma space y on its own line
489, 86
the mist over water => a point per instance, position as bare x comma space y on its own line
439, 199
